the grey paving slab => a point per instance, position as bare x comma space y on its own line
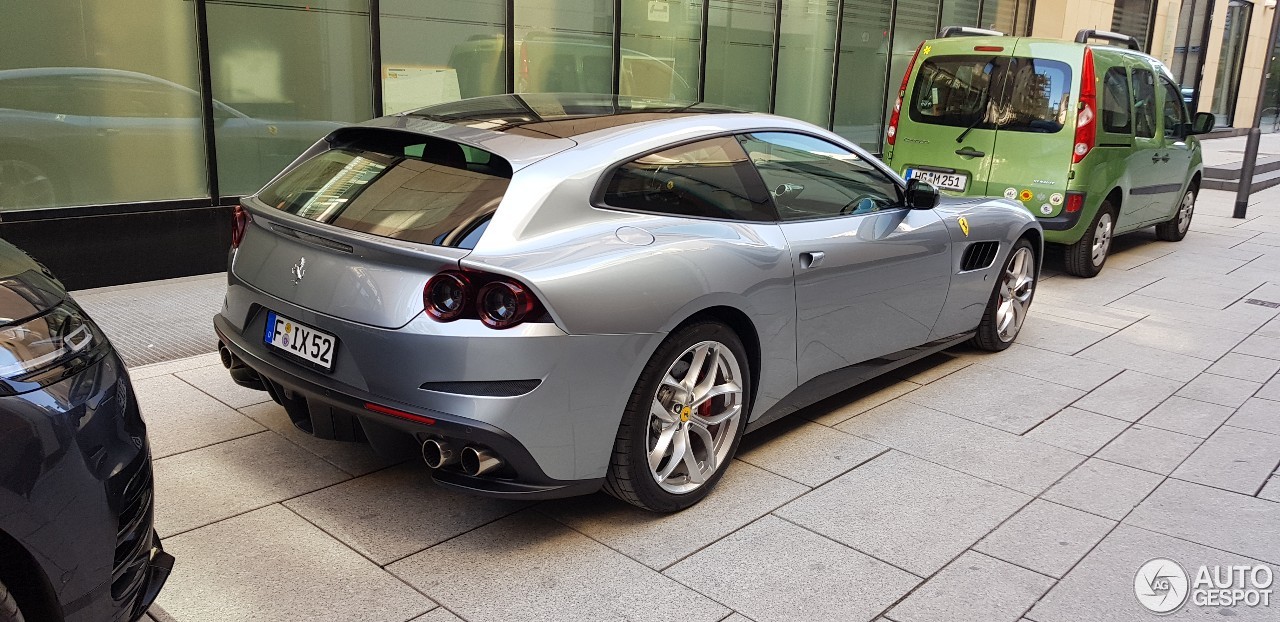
1010, 460
1196, 513
1078, 430
774, 571
1153, 361
1233, 459
1237, 317
1100, 588
181, 418
1270, 329
1271, 491
1270, 390
528, 567
1216, 293
913, 514
396, 512
354, 458
1054, 367
1106, 287
1221, 390
744, 494
1004, 400
271, 565
934, 367
161, 369
1257, 345
215, 381
1187, 416
1257, 414
212, 483
439, 614
806, 452
1063, 335
1245, 367
1046, 537
863, 398
973, 588
1104, 488
1128, 396
1109, 316
1150, 449
1186, 338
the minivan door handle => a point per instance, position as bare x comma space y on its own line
811, 259
970, 152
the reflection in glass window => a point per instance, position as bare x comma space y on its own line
95, 107
1144, 103
564, 47
706, 179
1231, 60
740, 53
916, 21
660, 49
860, 83
812, 178
806, 55
1175, 115
1018, 94
286, 73
1116, 116
961, 12
439, 51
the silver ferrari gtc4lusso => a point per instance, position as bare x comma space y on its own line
545, 295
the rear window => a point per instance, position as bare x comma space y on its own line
400, 186
984, 92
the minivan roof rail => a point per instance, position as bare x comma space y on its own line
968, 31
1084, 35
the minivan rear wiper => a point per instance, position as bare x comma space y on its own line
966, 131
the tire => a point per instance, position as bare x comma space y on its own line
671, 383
1082, 258
1010, 301
9, 611
1174, 229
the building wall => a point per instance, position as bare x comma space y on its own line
1062, 19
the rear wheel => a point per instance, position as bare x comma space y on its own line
684, 420
1174, 229
1086, 257
1010, 301
9, 611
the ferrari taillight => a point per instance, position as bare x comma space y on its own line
497, 301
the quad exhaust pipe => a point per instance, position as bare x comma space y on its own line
438, 454
475, 461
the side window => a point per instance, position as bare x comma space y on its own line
708, 179
1117, 116
812, 178
1144, 103
1175, 115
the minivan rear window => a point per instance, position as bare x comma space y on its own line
402, 186
985, 92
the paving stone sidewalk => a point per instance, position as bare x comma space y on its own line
1137, 417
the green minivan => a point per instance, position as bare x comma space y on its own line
1094, 140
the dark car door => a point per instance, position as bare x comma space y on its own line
871, 275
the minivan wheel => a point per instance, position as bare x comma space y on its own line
684, 420
1007, 309
1174, 229
9, 611
1087, 256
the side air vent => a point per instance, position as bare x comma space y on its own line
979, 255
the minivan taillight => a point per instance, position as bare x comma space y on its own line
1087, 112
497, 301
239, 222
891, 134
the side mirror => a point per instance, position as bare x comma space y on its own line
1203, 123
921, 194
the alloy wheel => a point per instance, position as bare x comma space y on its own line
694, 417
1185, 210
1015, 294
1101, 238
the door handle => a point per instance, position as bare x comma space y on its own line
811, 259
970, 152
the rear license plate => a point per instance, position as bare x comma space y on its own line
947, 181
299, 340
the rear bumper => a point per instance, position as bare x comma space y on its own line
335, 410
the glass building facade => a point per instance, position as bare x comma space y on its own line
114, 105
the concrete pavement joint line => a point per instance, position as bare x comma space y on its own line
1201, 544
923, 580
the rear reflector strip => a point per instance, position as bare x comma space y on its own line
400, 414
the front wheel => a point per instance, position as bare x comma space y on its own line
1086, 257
9, 611
1007, 309
1174, 229
684, 420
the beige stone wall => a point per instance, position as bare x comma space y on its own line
1062, 19
1255, 57
1165, 32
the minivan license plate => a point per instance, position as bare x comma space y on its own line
302, 341
945, 181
